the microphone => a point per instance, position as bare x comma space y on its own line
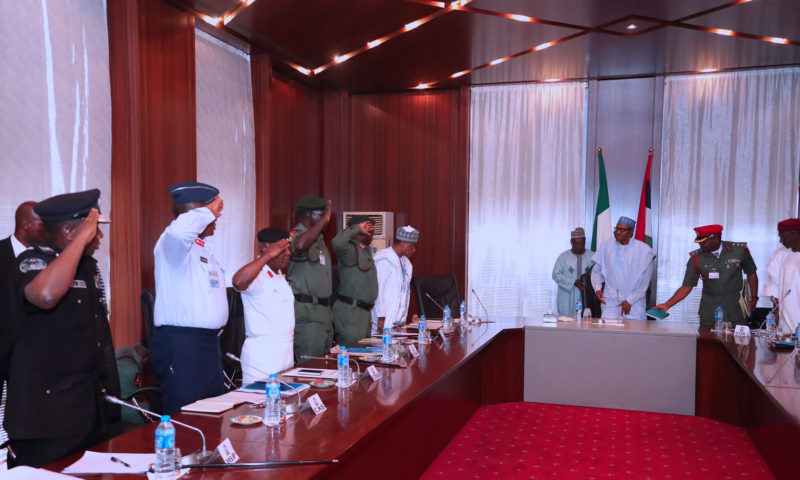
481, 303
435, 302
199, 457
308, 357
293, 409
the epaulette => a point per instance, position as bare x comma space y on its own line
738, 244
695, 252
45, 249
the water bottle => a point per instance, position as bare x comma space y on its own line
165, 449
424, 334
387, 346
272, 413
770, 322
797, 334
447, 317
587, 314
343, 361
718, 315
578, 310
462, 311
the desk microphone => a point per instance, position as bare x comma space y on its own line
293, 409
481, 303
199, 457
435, 302
358, 366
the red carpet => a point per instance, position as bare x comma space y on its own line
535, 441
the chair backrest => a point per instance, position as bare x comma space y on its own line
443, 289
590, 300
148, 300
233, 333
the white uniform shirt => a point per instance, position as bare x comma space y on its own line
190, 284
394, 288
18, 246
783, 283
626, 271
269, 322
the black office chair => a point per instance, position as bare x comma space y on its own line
443, 289
233, 335
590, 299
148, 300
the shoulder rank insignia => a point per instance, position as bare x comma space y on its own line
739, 244
694, 252
46, 250
32, 264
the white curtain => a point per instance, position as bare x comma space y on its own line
730, 155
526, 187
55, 120
226, 146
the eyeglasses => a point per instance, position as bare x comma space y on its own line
622, 229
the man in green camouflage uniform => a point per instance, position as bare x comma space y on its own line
720, 265
310, 278
358, 281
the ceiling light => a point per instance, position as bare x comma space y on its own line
459, 74
708, 70
551, 80
319, 70
302, 70
340, 58
413, 25
779, 40
211, 20
722, 31
543, 46
374, 43
521, 18
422, 86
632, 26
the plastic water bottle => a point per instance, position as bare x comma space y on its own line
387, 346
462, 311
797, 334
272, 413
718, 316
578, 310
587, 314
165, 449
447, 317
343, 361
770, 322
424, 334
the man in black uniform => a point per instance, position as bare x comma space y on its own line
63, 359
720, 265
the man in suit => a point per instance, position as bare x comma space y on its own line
27, 232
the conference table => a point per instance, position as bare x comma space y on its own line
396, 426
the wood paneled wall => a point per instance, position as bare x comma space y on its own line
152, 71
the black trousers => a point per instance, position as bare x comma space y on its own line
40, 452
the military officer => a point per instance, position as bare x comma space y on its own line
63, 361
358, 281
310, 278
720, 265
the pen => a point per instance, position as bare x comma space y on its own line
118, 460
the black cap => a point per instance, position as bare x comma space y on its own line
271, 235
356, 219
310, 203
193, 192
69, 206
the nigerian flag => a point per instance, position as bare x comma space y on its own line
602, 216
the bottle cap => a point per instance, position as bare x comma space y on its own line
165, 418
272, 375
447, 306
386, 329
422, 316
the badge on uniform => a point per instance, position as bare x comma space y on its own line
204, 259
32, 264
78, 284
321, 259
713, 275
213, 278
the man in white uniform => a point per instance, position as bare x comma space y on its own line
626, 266
191, 303
567, 272
268, 308
393, 265
783, 281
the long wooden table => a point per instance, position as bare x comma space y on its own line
393, 428
396, 427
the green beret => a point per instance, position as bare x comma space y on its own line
356, 219
310, 203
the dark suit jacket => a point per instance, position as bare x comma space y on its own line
7, 265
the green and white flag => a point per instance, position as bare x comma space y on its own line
602, 216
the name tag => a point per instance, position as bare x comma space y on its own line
204, 259
374, 373
227, 452
321, 259
413, 350
713, 275
78, 284
316, 404
742, 331
213, 278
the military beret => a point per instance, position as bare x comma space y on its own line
789, 225
271, 235
356, 219
628, 222
192, 192
706, 231
407, 234
310, 203
68, 206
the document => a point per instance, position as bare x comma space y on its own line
96, 462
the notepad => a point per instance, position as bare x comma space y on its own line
286, 391
656, 314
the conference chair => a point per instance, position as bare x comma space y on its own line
443, 289
233, 334
590, 299
148, 300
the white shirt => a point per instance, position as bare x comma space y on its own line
18, 246
394, 288
269, 322
626, 271
783, 283
190, 284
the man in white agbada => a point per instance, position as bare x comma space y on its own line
626, 266
268, 308
783, 280
393, 265
567, 272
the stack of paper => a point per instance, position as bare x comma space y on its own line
223, 402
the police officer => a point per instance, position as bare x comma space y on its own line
310, 278
63, 362
720, 265
358, 281
191, 303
